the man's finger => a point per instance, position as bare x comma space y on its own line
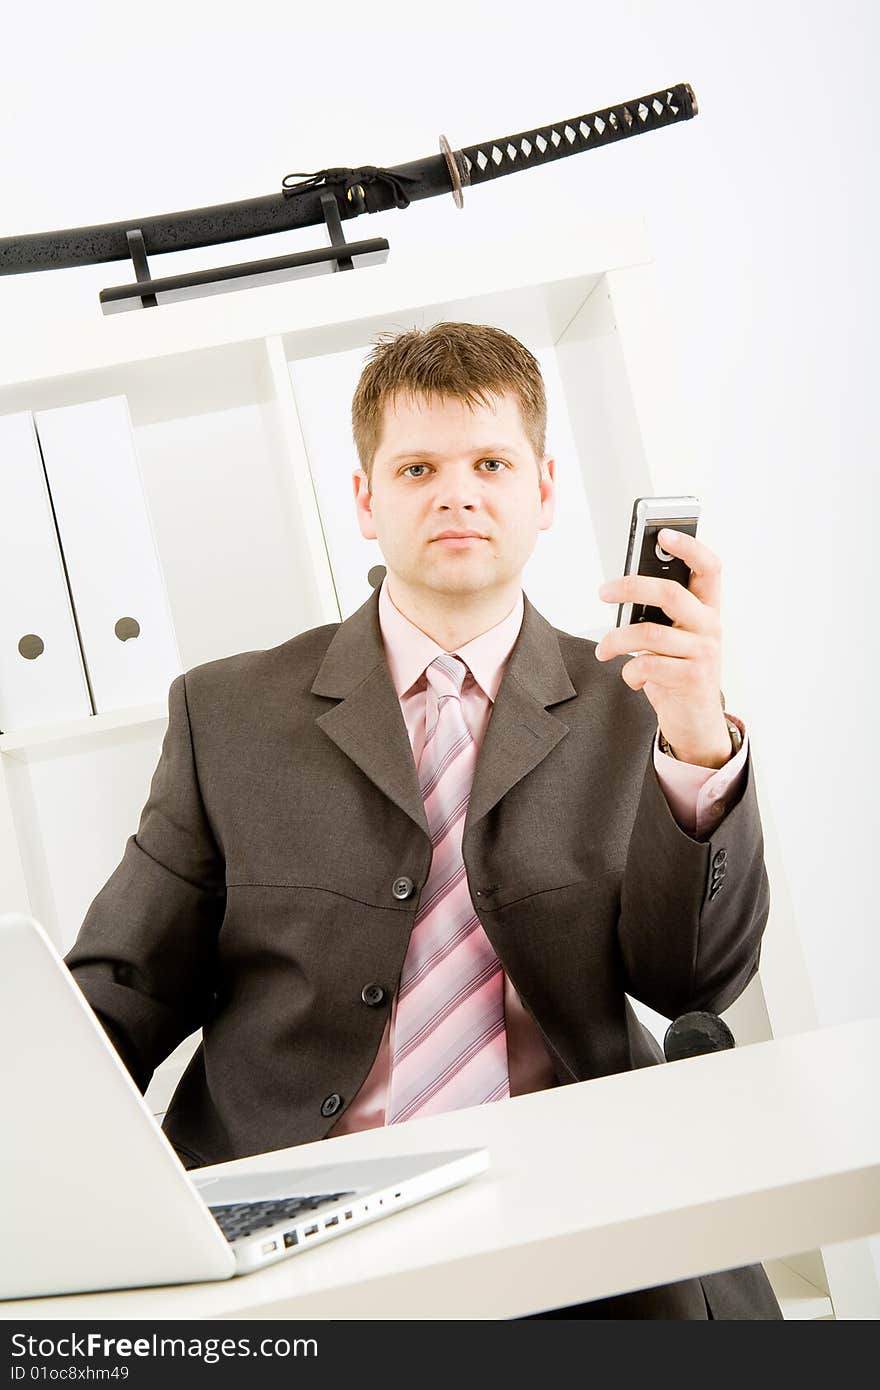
682, 605
703, 563
647, 637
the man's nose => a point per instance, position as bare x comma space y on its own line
457, 487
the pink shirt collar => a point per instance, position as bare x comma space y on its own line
409, 650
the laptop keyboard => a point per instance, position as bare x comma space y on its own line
237, 1219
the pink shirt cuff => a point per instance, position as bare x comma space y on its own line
698, 796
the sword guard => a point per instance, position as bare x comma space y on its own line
454, 171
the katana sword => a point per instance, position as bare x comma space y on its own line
355, 190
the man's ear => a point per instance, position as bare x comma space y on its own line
547, 488
363, 503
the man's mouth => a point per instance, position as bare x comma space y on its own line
455, 540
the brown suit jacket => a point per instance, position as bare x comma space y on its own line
262, 890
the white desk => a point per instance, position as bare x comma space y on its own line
593, 1189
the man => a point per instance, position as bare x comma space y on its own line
416, 860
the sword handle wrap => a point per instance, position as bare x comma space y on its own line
530, 148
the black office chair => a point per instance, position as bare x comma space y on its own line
691, 1034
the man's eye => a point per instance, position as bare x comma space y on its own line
498, 465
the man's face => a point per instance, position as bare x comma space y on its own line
443, 469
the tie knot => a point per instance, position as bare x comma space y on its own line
446, 675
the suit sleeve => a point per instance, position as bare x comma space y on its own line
692, 913
145, 954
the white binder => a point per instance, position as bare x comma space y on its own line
116, 582
41, 672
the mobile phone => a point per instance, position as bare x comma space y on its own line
645, 554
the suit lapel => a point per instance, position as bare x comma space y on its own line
368, 725
520, 732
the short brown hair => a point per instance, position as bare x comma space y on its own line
464, 361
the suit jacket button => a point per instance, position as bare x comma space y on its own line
719, 858
330, 1105
402, 887
372, 995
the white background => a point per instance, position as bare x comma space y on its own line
763, 217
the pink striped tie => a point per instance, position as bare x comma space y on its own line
450, 1044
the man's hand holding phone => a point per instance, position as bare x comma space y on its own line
679, 666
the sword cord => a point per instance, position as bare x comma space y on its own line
354, 182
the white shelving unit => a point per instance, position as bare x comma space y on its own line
240, 408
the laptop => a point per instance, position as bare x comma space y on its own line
94, 1196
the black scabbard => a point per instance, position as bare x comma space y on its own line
210, 226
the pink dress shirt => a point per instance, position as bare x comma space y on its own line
696, 797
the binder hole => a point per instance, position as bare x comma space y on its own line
375, 575
31, 646
127, 627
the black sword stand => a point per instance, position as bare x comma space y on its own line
148, 293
